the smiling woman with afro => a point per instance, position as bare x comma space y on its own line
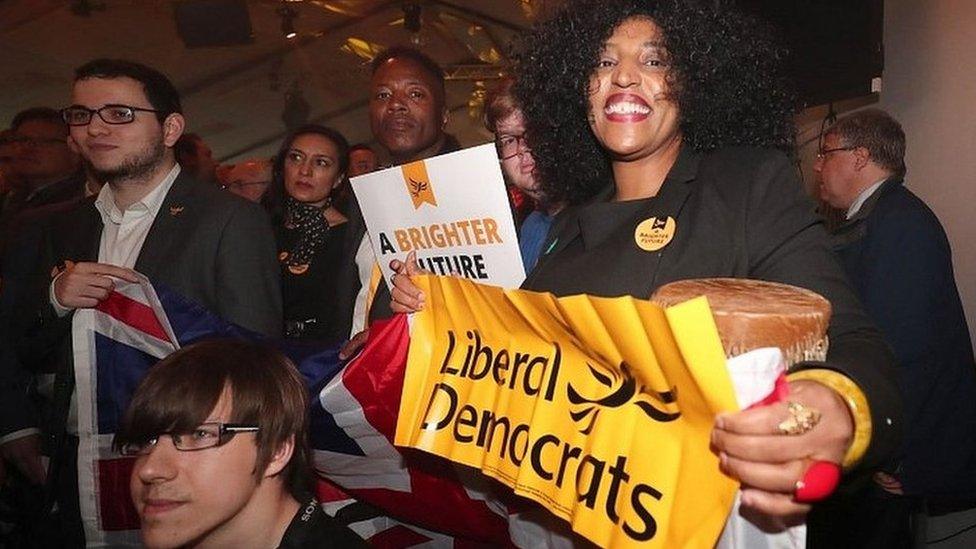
726, 78
668, 126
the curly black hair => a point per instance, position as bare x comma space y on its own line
726, 77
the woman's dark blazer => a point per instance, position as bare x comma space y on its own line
740, 212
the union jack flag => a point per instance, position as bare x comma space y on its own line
392, 497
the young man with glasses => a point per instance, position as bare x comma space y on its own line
503, 117
125, 120
219, 434
213, 248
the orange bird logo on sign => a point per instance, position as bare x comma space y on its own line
418, 183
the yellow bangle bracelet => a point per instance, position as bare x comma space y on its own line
856, 402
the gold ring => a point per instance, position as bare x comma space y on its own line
802, 419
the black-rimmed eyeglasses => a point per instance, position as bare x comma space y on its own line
77, 115
822, 153
510, 145
206, 435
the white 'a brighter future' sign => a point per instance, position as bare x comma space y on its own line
451, 209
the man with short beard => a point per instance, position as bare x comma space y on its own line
213, 248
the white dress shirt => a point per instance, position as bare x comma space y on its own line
123, 234
861, 198
125, 230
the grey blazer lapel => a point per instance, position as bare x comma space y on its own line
171, 227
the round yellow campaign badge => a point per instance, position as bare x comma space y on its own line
654, 233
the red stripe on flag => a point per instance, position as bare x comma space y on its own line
437, 500
135, 314
375, 377
327, 492
114, 500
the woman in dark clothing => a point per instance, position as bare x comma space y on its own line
664, 112
680, 116
309, 230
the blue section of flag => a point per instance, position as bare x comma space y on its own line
119, 368
325, 435
192, 322
318, 366
318, 362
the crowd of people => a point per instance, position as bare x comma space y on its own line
614, 113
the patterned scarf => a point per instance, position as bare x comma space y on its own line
312, 228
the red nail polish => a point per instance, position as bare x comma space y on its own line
820, 480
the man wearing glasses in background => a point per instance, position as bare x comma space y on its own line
897, 256
46, 169
49, 168
504, 118
213, 248
220, 439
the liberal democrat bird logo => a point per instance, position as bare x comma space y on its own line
417, 187
418, 183
624, 389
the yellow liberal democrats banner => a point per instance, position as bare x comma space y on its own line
599, 409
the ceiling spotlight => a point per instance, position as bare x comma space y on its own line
411, 17
288, 15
